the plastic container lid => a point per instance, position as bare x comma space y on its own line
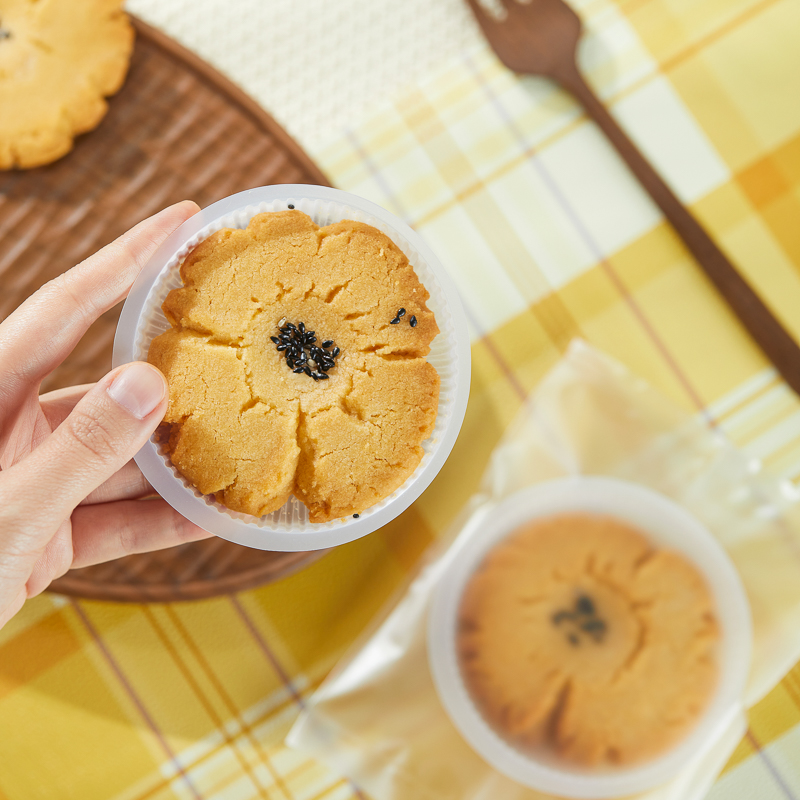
289, 529
666, 525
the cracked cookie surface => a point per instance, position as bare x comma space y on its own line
244, 426
58, 61
576, 634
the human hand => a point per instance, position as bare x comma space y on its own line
70, 495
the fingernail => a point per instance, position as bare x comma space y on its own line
188, 207
139, 389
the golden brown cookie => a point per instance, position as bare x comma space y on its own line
575, 633
259, 411
58, 60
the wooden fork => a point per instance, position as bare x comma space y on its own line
540, 37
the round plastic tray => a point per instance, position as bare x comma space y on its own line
668, 526
289, 529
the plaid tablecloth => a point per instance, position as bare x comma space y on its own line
548, 237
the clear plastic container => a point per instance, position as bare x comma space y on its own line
289, 529
668, 526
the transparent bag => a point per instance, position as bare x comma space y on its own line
378, 719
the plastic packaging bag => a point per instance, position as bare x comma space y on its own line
378, 719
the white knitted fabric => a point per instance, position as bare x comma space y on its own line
317, 65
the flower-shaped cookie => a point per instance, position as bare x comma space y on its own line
296, 365
575, 633
58, 60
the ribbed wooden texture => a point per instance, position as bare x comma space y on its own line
176, 130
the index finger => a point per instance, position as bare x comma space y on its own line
42, 332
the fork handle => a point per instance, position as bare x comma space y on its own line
770, 335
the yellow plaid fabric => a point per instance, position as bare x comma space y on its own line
548, 237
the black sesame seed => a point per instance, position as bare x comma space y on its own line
561, 616
291, 206
355, 516
594, 625
302, 353
413, 322
584, 605
401, 313
395, 321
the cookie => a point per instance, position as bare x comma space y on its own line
577, 635
296, 365
58, 61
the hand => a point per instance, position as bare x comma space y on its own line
70, 495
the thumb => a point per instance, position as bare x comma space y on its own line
101, 434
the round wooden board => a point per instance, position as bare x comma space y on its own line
177, 130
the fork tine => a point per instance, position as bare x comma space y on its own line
515, 7
482, 17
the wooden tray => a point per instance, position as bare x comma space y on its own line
177, 130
